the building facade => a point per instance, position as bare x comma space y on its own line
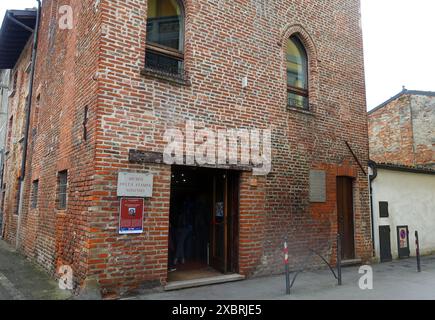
4, 97
401, 135
403, 203
401, 130
112, 78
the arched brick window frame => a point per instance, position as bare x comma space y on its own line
313, 63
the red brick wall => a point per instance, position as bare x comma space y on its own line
65, 82
225, 41
13, 156
401, 131
390, 132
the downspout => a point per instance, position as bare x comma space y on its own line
27, 123
372, 178
3, 89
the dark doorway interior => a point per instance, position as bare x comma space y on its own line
346, 217
203, 223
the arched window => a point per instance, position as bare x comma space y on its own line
297, 74
165, 36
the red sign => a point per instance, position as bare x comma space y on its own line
131, 215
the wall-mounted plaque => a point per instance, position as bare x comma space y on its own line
135, 185
317, 186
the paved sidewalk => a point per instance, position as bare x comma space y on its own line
398, 280
21, 280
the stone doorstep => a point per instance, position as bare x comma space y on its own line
177, 285
351, 263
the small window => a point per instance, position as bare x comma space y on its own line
297, 74
62, 181
35, 191
3, 198
85, 123
9, 141
383, 209
165, 37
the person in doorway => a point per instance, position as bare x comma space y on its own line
171, 266
184, 229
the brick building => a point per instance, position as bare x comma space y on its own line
4, 97
401, 130
107, 90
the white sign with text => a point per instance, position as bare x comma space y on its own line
135, 185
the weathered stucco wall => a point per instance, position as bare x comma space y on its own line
411, 201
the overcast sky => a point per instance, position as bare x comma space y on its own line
398, 40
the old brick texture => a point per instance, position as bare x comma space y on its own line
98, 65
402, 130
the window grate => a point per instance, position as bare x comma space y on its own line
62, 190
295, 101
35, 191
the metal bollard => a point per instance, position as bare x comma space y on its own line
339, 259
287, 269
417, 247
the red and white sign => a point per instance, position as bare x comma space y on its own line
131, 215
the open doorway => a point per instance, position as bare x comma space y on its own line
203, 230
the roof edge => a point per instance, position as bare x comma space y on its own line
403, 168
402, 93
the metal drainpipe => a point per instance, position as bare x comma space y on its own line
27, 124
3, 89
372, 178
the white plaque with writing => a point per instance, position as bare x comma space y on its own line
135, 185
317, 186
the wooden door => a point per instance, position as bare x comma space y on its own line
385, 243
224, 249
233, 222
346, 217
219, 224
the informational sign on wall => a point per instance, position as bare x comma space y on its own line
135, 185
403, 241
131, 215
317, 186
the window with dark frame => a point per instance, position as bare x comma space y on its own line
383, 209
17, 198
85, 123
297, 74
9, 139
165, 37
3, 198
62, 180
35, 192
